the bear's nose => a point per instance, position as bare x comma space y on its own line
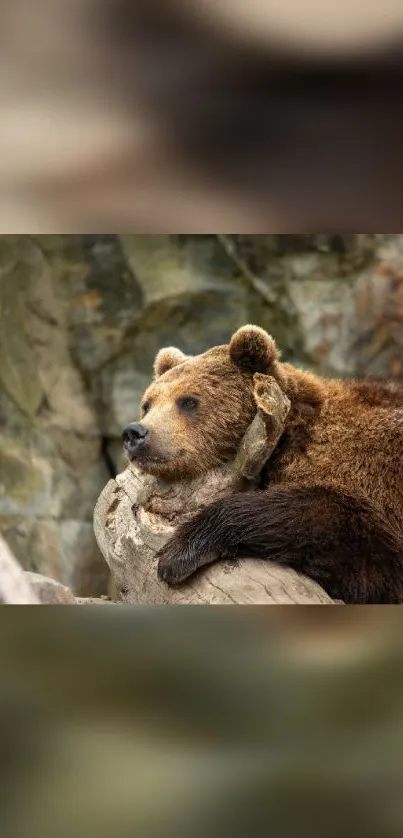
133, 436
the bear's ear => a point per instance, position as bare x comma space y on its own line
166, 359
253, 350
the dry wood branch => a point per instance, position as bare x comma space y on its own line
14, 585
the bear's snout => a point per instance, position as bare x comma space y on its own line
134, 437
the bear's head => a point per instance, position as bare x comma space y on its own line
197, 409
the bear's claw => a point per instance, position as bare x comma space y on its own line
190, 548
174, 563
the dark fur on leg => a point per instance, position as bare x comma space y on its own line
340, 542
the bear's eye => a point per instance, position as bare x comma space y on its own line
145, 408
187, 404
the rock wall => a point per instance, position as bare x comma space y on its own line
82, 317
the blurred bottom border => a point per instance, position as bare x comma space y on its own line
225, 721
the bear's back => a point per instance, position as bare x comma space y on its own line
353, 441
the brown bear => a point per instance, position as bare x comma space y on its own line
329, 501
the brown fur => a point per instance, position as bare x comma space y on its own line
332, 504
192, 444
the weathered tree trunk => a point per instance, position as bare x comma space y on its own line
136, 514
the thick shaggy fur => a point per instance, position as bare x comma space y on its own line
330, 502
339, 541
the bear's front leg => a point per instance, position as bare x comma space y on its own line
196, 543
338, 540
